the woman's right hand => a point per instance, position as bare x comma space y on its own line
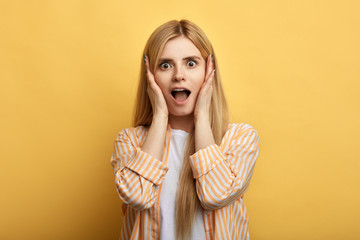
153, 143
156, 96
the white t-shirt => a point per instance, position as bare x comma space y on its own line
169, 188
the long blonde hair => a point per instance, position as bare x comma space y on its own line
186, 200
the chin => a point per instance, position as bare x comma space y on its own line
182, 113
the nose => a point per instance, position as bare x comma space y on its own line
179, 74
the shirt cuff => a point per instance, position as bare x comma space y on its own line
206, 159
147, 166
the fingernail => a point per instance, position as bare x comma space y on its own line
144, 58
214, 70
146, 70
212, 57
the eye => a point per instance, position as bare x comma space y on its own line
164, 65
192, 63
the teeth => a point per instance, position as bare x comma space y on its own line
180, 90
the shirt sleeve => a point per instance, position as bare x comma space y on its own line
223, 173
137, 174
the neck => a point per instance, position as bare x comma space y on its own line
185, 123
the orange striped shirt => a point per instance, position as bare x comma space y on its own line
222, 176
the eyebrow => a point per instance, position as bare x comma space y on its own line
170, 60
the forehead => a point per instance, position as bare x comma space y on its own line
180, 47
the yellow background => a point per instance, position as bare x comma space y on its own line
69, 72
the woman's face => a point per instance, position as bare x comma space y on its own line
180, 75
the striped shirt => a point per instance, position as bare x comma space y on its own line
222, 175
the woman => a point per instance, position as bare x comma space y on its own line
183, 169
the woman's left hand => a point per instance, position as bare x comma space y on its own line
202, 106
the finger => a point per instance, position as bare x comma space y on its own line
149, 74
212, 76
146, 59
208, 62
210, 79
209, 68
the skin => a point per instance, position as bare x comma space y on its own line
184, 73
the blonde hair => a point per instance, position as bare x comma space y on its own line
186, 200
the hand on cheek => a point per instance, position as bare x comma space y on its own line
156, 96
203, 102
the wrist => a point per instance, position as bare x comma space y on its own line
201, 119
160, 118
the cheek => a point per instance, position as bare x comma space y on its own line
199, 80
160, 81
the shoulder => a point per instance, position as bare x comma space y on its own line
137, 130
132, 133
239, 133
240, 128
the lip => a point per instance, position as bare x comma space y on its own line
177, 102
179, 88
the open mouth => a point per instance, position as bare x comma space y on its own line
180, 94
